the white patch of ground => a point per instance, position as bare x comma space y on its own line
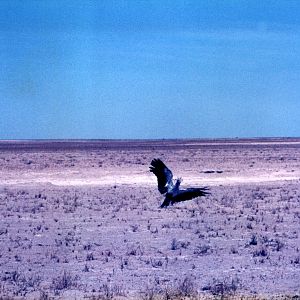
141, 179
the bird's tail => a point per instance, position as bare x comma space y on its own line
205, 191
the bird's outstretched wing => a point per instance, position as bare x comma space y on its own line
163, 174
190, 193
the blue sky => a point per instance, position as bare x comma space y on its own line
149, 69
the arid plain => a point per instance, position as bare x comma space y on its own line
81, 219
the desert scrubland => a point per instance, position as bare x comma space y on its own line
81, 219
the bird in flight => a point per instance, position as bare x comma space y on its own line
170, 188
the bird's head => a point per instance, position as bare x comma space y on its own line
178, 182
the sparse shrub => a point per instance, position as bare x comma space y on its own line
44, 296
233, 250
279, 219
278, 245
223, 288
22, 284
275, 245
249, 226
186, 288
296, 260
164, 226
124, 263
258, 194
108, 292
179, 244
202, 250
135, 250
174, 245
156, 263
150, 293
253, 241
86, 268
90, 256
134, 228
87, 247
261, 252
249, 203
63, 282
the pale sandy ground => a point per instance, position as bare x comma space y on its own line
135, 178
82, 219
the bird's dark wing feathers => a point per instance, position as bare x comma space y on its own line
163, 174
166, 186
190, 193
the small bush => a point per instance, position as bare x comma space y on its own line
202, 250
186, 288
179, 244
223, 288
23, 284
66, 281
108, 292
44, 296
253, 241
261, 252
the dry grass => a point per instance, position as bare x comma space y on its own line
113, 241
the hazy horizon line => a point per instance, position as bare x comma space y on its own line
152, 139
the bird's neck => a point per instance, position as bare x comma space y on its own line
177, 184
